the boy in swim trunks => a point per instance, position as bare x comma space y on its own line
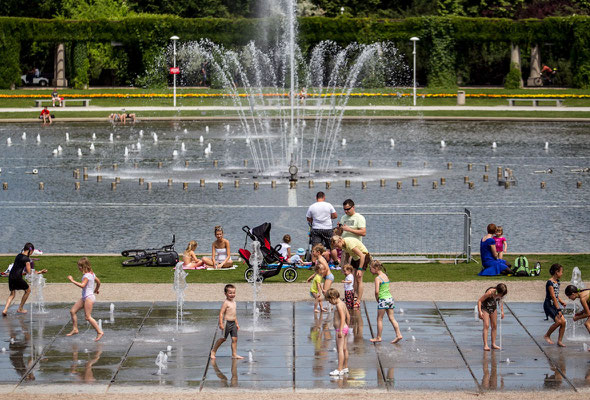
228, 313
341, 322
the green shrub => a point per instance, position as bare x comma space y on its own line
81, 66
513, 78
10, 65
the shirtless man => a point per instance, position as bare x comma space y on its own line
228, 313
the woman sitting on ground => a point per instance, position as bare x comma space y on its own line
220, 253
491, 264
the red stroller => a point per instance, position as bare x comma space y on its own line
272, 262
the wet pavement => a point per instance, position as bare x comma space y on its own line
292, 348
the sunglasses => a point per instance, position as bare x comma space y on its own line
346, 209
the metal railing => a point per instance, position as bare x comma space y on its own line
420, 236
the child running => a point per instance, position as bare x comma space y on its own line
551, 305
501, 244
90, 285
229, 314
384, 302
488, 313
348, 286
341, 322
317, 288
574, 293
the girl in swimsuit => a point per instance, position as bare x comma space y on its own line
189, 258
220, 254
341, 322
384, 302
90, 285
488, 313
584, 295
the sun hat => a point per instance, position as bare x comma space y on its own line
301, 251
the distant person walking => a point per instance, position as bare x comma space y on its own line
320, 215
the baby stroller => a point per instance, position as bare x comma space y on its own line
272, 262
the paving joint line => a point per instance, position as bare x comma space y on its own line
129, 348
387, 383
208, 361
30, 369
553, 363
458, 348
293, 336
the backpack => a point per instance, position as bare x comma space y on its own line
521, 267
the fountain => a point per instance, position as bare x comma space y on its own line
161, 362
258, 69
579, 283
255, 260
179, 287
37, 282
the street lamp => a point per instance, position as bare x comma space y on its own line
341, 10
414, 39
174, 39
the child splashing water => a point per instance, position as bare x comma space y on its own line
341, 322
90, 285
488, 313
384, 302
551, 305
574, 293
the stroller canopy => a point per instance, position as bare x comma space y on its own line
262, 234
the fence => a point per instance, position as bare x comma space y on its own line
419, 236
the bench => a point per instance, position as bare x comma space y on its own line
39, 102
558, 102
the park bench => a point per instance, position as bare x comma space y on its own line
558, 102
39, 102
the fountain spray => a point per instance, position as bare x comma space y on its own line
179, 287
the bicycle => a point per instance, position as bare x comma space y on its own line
165, 256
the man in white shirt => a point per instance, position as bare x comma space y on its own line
320, 215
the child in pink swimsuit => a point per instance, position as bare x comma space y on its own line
501, 244
341, 321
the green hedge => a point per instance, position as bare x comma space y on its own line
438, 46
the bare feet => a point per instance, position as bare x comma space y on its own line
98, 336
21, 311
73, 332
495, 347
376, 340
560, 344
548, 339
324, 310
316, 310
486, 348
212, 355
237, 357
397, 339
4, 314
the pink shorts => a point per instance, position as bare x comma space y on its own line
344, 330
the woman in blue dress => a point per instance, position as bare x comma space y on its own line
491, 264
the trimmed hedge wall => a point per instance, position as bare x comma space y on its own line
437, 47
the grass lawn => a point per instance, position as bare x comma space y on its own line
109, 270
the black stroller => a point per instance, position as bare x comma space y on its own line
272, 262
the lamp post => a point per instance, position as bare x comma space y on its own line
414, 39
174, 39
341, 10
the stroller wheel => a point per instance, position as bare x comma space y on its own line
249, 276
290, 275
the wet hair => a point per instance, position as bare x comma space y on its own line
499, 230
28, 247
554, 268
287, 238
228, 287
192, 245
376, 264
347, 267
84, 265
335, 239
332, 294
319, 248
348, 202
320, 195
492, 228
218, 228
571, 289
501, 289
